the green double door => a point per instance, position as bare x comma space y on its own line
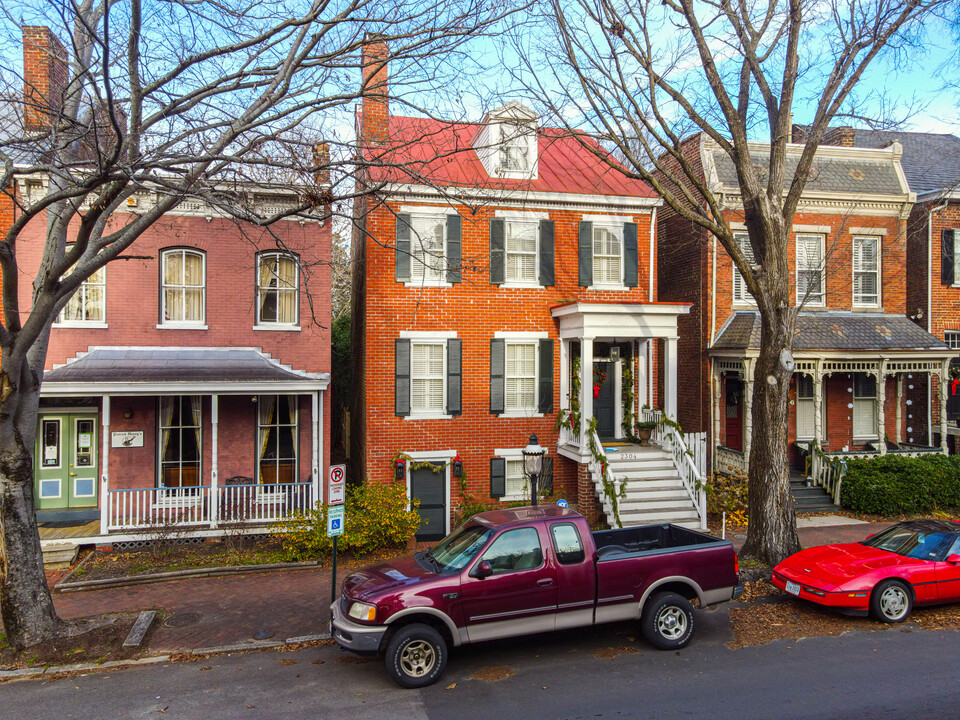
66, 461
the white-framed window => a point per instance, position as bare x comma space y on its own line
278, 279
88, 304
866, 270
952, 339
183, 292
607, 254
428, 377
805, 408
427, 247
865, 406
516, 483
810, 269
515, 148
740, 292
277, 435
521, 251
180, 442
520, 377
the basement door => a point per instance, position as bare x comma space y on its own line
431, 489
65, 466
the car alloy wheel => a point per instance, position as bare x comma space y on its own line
891, 601
671, 622
417, 658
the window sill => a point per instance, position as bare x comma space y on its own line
78, 325
517, 285
428, 416
428, 284
864, 308
610, 288
514, 498
510, 414
181, 326
279, 327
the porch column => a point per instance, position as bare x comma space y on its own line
214, 447
818, 406
641, 378
944, 381
105, 466
670, 378
315, 460
898, 438
881, 416
586, 389
564, 374
747, 408
715, 411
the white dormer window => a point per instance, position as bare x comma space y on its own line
506, 142
514, 149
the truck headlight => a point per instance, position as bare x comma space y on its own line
363, 611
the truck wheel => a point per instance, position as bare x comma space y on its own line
416, 656
667, 621
891, 602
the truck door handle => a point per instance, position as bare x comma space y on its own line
545, 582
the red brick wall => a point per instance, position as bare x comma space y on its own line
44, 76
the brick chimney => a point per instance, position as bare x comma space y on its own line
44, 76
376, 103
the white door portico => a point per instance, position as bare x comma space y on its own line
584, 326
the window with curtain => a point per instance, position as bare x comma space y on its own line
427, 247
810, 269
521, 249
89, 303
866, 270
184, 287
277, 289
180, 441
427, 377
864, 406
520, 377
607, 254
740, 292
277, 434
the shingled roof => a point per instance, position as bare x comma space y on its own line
930, 161
834, 331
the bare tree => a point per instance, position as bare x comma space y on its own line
643, 76
188, 100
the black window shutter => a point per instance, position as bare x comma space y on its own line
454, 376
498, 477
947, 253
401, 391
545, 379
403, 249
545, 481
498, 273
497, 361
630, 254
585, 254
453, 251
547, 273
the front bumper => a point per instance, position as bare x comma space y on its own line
361, 639
842, 600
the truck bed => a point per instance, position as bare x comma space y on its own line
624, 542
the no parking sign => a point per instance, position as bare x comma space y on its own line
337, 484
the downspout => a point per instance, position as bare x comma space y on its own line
653, 243
713, 329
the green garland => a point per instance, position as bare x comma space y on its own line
609, 488
626, 391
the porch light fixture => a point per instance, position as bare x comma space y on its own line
533, 465
457, 466
399, 470
128, 413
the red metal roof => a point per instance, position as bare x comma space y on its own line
427, 151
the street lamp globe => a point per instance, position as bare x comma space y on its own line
533, 464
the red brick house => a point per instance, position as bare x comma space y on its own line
499, 267
859, 356
186, 382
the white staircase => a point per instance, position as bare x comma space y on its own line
655, 491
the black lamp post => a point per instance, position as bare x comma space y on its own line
533, 465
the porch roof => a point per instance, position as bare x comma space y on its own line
176, 370
833, 331
618, 320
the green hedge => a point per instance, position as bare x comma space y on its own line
895, 485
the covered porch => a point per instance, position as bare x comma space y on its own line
176, 442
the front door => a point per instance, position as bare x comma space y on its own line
733, 394
604, 399
429, 488
66, 462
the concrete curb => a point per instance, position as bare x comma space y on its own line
106, 583
250, 645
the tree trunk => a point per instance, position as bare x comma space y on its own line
772, 532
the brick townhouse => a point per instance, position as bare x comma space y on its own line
499, 266
859, 356
186, 382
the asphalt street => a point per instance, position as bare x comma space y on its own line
603, 673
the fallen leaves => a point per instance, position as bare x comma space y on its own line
493, 674
609, 653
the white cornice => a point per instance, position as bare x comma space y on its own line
527, 198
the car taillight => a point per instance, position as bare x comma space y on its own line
736, 564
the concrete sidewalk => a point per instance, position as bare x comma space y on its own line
210, 612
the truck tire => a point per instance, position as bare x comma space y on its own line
416, 656
667, 621
891, 602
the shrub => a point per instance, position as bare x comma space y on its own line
728, 494
376, 518
896, 485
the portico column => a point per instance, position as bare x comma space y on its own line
881, 416
818, 406
943, 407
214, 458
315, 404
670, 378
586, 389
898, 437
641, 378
564, 374
715, 411
105, 464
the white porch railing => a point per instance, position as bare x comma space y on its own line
685, 462
600, 472
729, 461
163, 509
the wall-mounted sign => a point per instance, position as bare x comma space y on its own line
126, 438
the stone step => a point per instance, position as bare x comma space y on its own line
641, 466
59, 555
664, 474
666, 483
675, 514
629, 505
642, 495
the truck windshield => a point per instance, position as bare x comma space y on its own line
460, 547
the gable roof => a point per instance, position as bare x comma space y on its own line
930, 161
423, 151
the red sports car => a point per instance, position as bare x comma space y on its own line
912, 563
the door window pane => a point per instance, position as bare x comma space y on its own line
50, 450
84, 444
515, 550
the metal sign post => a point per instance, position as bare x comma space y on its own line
335, 520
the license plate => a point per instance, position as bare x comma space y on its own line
792, 588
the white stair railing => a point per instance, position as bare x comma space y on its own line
599, 467
669, 436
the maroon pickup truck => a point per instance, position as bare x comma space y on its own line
529, 570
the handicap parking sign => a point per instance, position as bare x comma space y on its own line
335, 521
561, 503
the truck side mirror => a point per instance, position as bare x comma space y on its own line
481, 570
